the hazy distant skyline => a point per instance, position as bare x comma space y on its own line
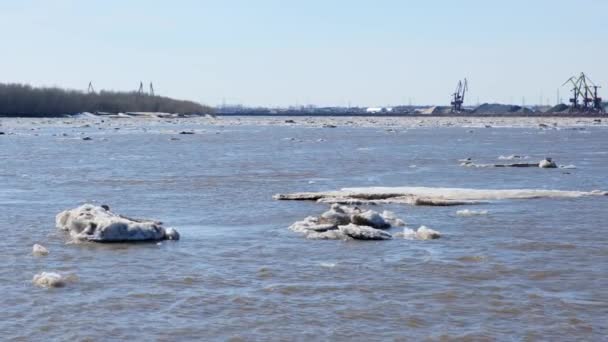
279, 53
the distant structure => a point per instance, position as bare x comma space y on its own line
90, 89
151, 89
585, 90
140, 91
376, 110
458, 96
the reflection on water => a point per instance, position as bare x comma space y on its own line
531, 269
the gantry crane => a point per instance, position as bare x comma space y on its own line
458, 96
586, 90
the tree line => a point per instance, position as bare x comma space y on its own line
25, 100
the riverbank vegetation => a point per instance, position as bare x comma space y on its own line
25, 100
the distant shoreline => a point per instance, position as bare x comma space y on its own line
22, 100
342, 115
418, 115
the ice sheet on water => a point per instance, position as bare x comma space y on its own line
465, 194
430, 196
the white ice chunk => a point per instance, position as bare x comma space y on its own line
364, 233
52, 279
39, 250
97, 223
468, 213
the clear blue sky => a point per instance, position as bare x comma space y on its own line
271, 52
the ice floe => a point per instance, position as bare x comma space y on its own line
52, 279
512, 157
392, 219
547, 163
422, 233
39, 250
97, 223
358, 232
342, 222
370, 218
468, 213
430, 196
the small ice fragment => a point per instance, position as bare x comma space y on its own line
39, 250
52, 279
370, 218
511, 157
408, 234
468, 213
547, 163
392, 219
171, 234
425, 233
364, 232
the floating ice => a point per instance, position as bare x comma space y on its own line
342, 222
370, 218
171, 234
334, 234
547, 163
312, 224
39, 250
52, 279
511, 157
430, 196
468, 213
423, 233
392, 219
407, 233
97, 223
338, 215
364, 233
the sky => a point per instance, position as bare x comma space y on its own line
308, 52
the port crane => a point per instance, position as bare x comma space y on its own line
585, 90
458, 96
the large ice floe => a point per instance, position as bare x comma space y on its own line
342, 222
429, 196
98, 224
546, 163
